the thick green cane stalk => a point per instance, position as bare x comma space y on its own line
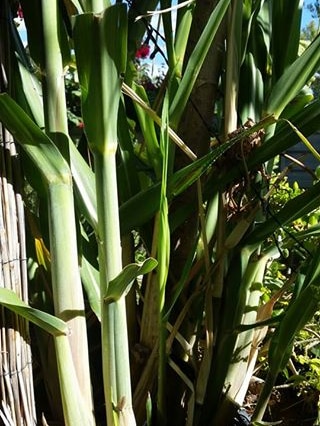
67, 288
56, 176
74, 410
101, 57
115, 352
95, 6
53, 75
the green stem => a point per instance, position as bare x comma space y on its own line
76, 411
67, 288
55, 109
161, 393
97, 6
263, 398
66, 282
115, 351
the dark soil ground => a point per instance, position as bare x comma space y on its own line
288, 406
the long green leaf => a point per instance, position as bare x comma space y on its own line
306, 120
91, 284
142, 207
39, 147
47, 322
251, 90
183, 25
293, 209
305, 141
286, 20
294, 78
195, 62
121, 285
85, 186
148, 130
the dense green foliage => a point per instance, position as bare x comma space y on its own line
159, 197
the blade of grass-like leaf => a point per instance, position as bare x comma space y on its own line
147, 125
85, 186
121, 285
304, 140
47, 322
241, 270
195, 62
174, 137
184, 178
251, 90
293, 209
302, 100
165, 9
163, 257
294, 78
44, 154
183, 25
31, 91
306, 120
188, 175
129, 178
133, 214
91, 284
33, 21
286, 20
168, 33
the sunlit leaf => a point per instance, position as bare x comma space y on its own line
121, 285
47, 322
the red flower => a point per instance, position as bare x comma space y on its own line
143, 51
20, 12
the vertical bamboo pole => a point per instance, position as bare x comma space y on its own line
16, 375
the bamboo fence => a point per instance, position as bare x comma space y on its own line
16, 379
17, 405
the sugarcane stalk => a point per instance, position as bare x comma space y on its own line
100, 81
66, 282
